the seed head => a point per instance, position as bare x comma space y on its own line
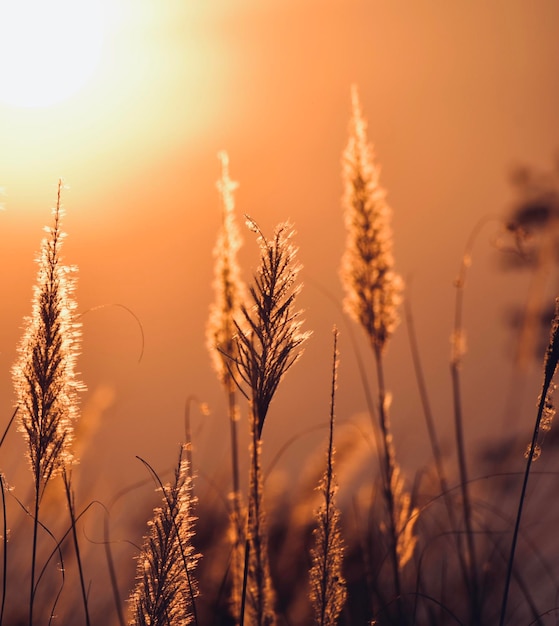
44, 376
373, 289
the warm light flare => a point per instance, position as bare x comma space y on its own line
48, 49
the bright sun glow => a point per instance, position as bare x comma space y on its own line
49, 49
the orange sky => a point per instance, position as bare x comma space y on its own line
455, 94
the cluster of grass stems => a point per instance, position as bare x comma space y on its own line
413, 556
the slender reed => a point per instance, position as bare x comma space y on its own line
373, 292
44, 375
165, 590
220, 332
327, 584
4, 548
544, 416
3, 488
434, 441
268, 343
458, 349
66, 477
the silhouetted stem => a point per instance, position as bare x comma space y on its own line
466, 506
516, 531
236, 495
388, 475
70, 501
9, 425
5, 546
112, 571
433, 439
233, 420
456, 357
34, 552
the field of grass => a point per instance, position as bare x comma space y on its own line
358, 541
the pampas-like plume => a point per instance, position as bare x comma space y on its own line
220, 338
327, 585
268, 344
166, 589
269, 340
373, 292
373, 289
44, 376
228, 286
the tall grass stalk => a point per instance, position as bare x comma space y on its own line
220, 338
165, 590
373, 292
3, 487
268, 343
4, 548
44, 375
66, 477
328, 587
458, 349
544, 415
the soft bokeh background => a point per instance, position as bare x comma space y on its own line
455, 93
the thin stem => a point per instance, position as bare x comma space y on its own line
236, 495
516, 531
5, 546
432, 432
255, 530
466, 505
70, 501
388, 462
458, 348
233, 420
455, 361
8, 426
112, 570
34, 552
245, 578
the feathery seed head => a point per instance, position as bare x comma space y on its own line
270, 339
373, 289
44, 375
228, 286
327, 585
165, 588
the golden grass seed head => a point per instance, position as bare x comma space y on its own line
373, 288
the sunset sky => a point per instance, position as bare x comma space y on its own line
456, 94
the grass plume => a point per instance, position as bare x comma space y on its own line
229, 292
166, 589
45, 380
327, 585
372, 287
373, 292
269, 341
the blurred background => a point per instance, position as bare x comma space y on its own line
461, 100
